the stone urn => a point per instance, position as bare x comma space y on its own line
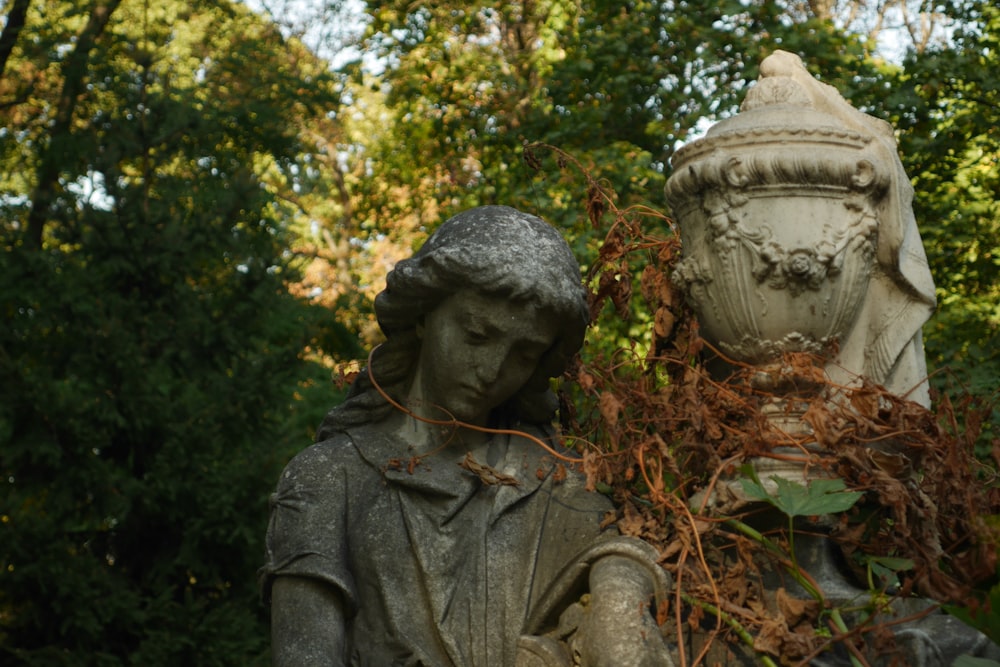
798, 236
777, 213
795, 224
777, 209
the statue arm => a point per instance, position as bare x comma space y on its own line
598, 602
307, 623
306, 580
619, 628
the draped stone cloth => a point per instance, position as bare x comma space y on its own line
434, 566
886, 344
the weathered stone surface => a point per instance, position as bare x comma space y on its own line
799, 234
427, 525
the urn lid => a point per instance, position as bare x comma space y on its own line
788, 125
784, 136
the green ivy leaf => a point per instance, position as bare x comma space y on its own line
984, 616
819, 496
886, 568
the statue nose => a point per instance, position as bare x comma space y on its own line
488, 368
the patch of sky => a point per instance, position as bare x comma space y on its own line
91, 191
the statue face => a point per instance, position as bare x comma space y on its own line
477, 351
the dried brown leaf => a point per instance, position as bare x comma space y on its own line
596, 205
663, 322
796, 610
531, 159
610, 408
488, 475
770, 637
631, 522
648, 284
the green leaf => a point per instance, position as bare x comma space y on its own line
887, 567
752, 485
983, 615
820, 496
891, 563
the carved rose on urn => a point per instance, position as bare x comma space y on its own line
798, 234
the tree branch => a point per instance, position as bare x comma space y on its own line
11, 31
74, 75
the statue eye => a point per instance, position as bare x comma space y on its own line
530, 353
526, 357
476, 336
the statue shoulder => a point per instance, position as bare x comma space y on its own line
323, 462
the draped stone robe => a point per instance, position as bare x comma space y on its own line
434, 566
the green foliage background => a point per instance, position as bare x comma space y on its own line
196, 209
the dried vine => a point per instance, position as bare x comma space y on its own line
669, 429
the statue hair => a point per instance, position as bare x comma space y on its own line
494, 250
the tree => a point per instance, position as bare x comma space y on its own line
946, 105
465, 88
181, 186
151, 348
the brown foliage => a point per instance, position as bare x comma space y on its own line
667, 430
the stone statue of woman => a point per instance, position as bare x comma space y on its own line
427, 526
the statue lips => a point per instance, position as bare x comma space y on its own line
475, 392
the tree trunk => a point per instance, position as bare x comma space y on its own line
74, 75
8, 38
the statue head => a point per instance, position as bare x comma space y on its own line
492, 250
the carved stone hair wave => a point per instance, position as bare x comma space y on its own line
494, 250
